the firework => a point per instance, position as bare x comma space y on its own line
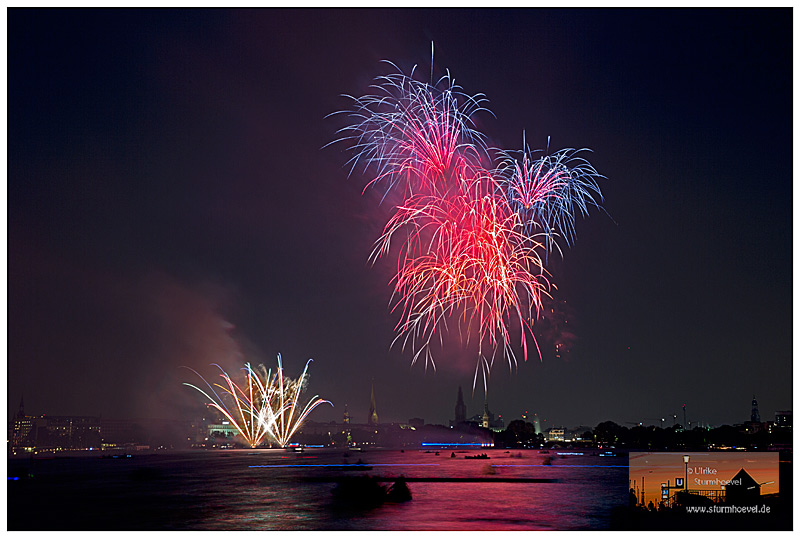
474, 224
283, 412
265, 405
414, 134
477, 269
547, 191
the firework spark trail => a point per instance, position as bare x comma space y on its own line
248, 409
478, 264
283, 415
472, 233
267, 406
414, 133
549, 190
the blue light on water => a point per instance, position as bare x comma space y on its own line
13, 478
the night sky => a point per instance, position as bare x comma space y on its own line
170, 204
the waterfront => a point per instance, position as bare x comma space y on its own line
284, 490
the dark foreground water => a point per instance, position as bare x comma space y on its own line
280, 490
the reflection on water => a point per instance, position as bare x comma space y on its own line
278, 490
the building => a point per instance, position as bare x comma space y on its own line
783, 419
754, 415
58, 432
21, 427
223, 429
555, 434
487, 419
372, 419
461, 408
74, 431
346, 416
579, 434
742, 489
754, 425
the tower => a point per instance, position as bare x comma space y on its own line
461, 409
754, 416
485, 421
373, 412
21, 426
346, 417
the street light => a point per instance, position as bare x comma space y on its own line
686, 475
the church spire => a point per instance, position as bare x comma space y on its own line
461, 409
373, 412
754, 415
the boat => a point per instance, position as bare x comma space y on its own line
362, 492
366, 492
398, 492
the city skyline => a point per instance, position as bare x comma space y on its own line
529, 416
169, 206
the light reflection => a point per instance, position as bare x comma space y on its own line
353, 465
551, 466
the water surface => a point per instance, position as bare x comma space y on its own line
280, 490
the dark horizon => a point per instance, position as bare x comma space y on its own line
169, 205
668, 423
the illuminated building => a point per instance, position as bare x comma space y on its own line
487, 420
21, 427
225, 429
372, 420
72, 432
347, 437
56, 432
783, 419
